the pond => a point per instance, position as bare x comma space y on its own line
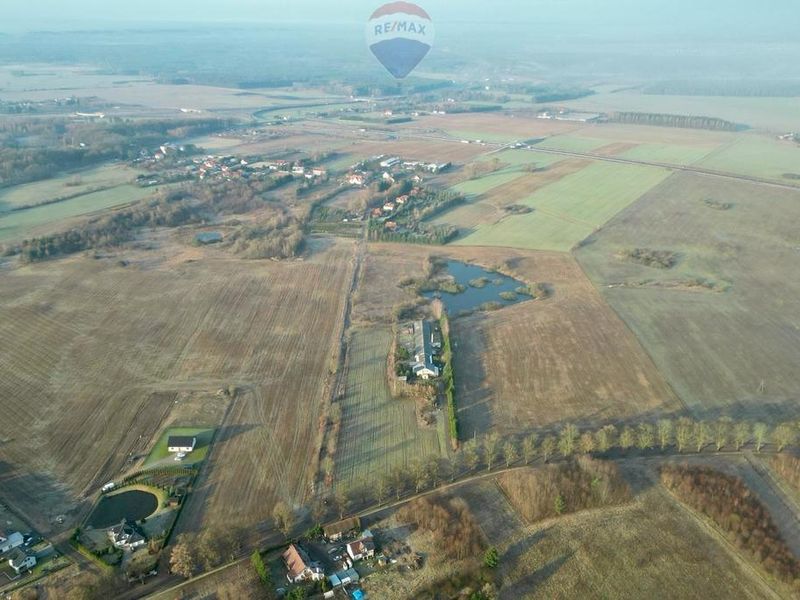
209, 237
478, 288
133, 505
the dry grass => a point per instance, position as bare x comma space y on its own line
96, 356
650, 549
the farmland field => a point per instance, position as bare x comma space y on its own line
40, 192
723, 324
100, 358
46, 219
567, 211
634, 551
379, 433
757, 156
572, 143
667, 153
539, 364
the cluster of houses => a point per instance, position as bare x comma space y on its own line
388, 167
13, 552
300, 567
569, 115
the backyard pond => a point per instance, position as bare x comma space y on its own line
132, 505
471, 287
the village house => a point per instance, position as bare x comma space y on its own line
125, 536
362, 548
181, 443
21, 561
357, 179
424, 367
389, 207
9, 541
390, 162
402, 199
388, 177
299, 567
336, 531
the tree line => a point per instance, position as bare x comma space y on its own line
728, 502
667, 120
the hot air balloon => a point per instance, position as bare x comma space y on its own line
400, 35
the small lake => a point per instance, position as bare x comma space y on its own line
133, 506
481, 287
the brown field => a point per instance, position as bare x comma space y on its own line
427, 150
518, 127
734, 350
567, 358
652, 548
98, 358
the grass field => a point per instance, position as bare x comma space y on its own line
378, 432
778, 115
540, 364
40, 192
734, 351
159, 453
570, 209
572, 143
648, 549
757, 156
17, 225
102, 358
667, 153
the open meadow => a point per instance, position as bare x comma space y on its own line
99, 358
566, 211
378, 433
723, 322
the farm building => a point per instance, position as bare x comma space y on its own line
21, 561
181, 443
336, 531
9, 541
424, 341
299, 567
344, 578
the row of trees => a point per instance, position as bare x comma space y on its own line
666, 120
730, 504
448, 378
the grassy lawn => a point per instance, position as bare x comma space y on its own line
568, 210
378, 432
757, 156
43, 219
668, 153
159, 454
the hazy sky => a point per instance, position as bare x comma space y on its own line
670, 17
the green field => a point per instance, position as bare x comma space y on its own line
481, 185
667, 153
160, 455
378, 432
573, 143
729, 346
40, 192
21, 224
568, 210
516, 164
757, 156
518, 158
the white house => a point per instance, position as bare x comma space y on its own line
363, 548
125, 536
181, 443
9, 541
21, 561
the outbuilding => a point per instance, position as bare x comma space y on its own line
181, 443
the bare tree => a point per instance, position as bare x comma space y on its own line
665, 433
398, 479
419, 473
760, 435
491, 448
567, 439
471, 454
587, 443
646, 437
510, 452
529, 448
784, 435
683, 433
434, 468
182, 560
283, 517
627, 439
701, 434
549, 445
209, 552
722, 433
606, 437
341, 499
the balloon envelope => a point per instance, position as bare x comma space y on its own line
400, 35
